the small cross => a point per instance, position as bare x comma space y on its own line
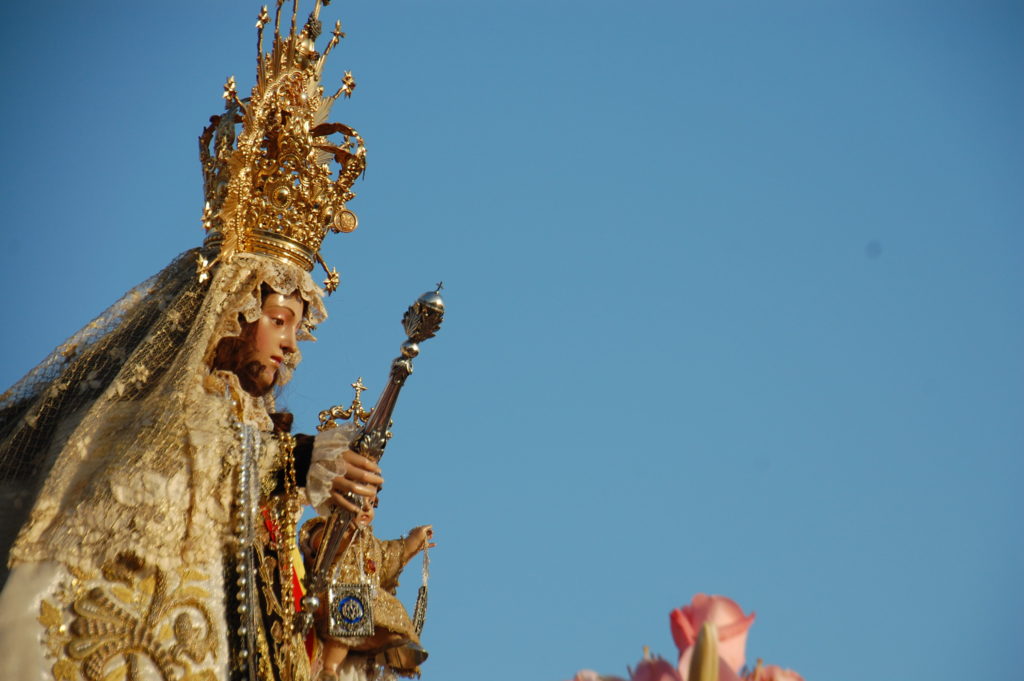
359, 388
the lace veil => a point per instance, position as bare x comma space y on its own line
121, 438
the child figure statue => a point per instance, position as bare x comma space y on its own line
374, 564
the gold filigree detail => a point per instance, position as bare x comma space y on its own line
332, 281
354, 411
203, 267
348, 84
263, 19
280, 645
230, 91
129, 617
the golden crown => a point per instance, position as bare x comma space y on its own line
271, 189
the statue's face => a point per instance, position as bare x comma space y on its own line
275, 336
365, 518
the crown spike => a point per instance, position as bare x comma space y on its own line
277, 40
292, 37
262, 20
275, 56
277, 22
336, 37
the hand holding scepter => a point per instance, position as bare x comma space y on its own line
421, 321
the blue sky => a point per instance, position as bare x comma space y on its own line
734, 302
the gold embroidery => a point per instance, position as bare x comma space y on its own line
132, 616
281, 647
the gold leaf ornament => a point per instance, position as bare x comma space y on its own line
129, 615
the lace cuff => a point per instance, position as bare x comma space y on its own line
327, 464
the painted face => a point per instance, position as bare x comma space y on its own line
275, 336
365, 518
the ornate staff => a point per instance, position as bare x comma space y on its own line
421, 321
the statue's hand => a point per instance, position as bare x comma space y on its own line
336, 470
361, 477
419, 538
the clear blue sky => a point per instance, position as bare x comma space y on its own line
734, 302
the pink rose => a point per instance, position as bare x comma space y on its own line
730, 623
773, 672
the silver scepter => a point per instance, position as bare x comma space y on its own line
421, 321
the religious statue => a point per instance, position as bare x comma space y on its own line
151, 490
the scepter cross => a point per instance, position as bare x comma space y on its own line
357, 403
355, 410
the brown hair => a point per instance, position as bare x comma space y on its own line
235, 354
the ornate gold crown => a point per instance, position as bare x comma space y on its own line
273, 192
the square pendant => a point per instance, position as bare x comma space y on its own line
351, 610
